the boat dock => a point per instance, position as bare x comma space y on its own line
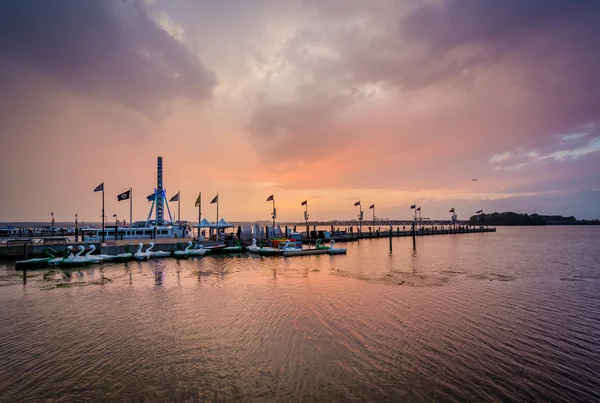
356, 236
26, 248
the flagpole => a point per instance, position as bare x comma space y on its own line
103, 212
178, 214
306, 218
130, 215
217, 217
199, 213
360, 217
373, 217
273, 215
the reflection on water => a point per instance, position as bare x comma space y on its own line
478, 317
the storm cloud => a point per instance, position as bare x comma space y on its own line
109, 50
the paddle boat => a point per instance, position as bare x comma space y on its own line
262, 250
212, 248
319, 245
157, 253
289, 246
237, 248
194, 252
56, 261
254, 247
335, 251
76, 260
93, 258
104, 257
181, 254
139, 255
38, 263
124, 257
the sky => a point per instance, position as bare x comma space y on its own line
390, 102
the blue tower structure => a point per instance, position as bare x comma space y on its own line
160, 201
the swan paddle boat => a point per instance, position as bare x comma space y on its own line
156, 253
237, 248
254, 247
194, 252
38, 263
335, 251
76, 260
213, 248
56, 261
124, 257
263, 250
93, 258
139, 255
104, 257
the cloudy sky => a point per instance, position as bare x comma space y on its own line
388, 102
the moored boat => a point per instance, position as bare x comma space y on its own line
37, 263
335, 251
157, 253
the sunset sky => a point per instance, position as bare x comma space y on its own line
391, 103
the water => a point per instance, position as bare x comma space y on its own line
506, 316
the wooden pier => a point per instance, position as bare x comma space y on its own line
356, 236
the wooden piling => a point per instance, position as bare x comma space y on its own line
413, 236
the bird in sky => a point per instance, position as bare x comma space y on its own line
474, 180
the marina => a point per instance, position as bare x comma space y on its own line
117, 240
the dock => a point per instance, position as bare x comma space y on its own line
26, 248
356, 236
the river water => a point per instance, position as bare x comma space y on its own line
506, 316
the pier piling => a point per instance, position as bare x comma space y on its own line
414, 237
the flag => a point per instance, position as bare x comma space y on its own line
304, 202
124, 195
418, 209
114, 215
413, 206
198, 200
357, 203
175, 198
215, 200
270, 198
151, 197
52, 214
452, 210
99, 188
372, 206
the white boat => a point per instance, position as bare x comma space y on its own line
254, 248
263, 250
139, 230
181, 254
194, 252
139, 255
56, 261
76, 260
157, 253
93, 258
335, 251
123, 257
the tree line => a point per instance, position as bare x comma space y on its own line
511, 218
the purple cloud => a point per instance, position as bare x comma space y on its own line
109, 50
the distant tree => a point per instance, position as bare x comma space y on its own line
512, 218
